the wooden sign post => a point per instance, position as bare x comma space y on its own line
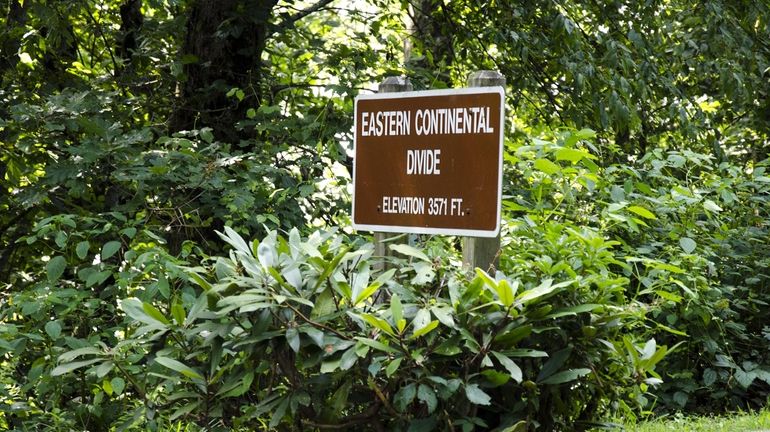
389, 85
483, 252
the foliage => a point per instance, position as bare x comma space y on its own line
632, 274
690, 236
715, 290
674, 75
296, 333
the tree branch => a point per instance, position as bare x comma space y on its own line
316, 324
350, 421
299, 15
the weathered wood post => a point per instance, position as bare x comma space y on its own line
388, 85
477, 251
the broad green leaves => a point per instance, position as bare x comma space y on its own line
513, 369
55, 268
314, 303
476, 395
178, 367
143, 312
641, 211
109, 249
69, 367
687, 244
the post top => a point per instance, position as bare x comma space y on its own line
394, 84
486, 78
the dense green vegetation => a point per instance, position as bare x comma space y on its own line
175, 242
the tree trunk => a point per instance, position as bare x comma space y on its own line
432, 36
131, 20
222, 50
11, 39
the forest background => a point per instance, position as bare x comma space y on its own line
144, 143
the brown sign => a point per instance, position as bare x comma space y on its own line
429, 162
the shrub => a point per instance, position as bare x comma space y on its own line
298, 334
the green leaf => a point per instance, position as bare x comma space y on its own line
486, 278
82, 249
53, 329
198, 279
107, 386
401, 325
205, 133
69, 367
404, 397
231, 236
118, 384
444, 314
377, 345
331, 266
574, 310
687, 244
393, 366
185, 409
396, 310
554, 363
545, 288
366, 293
572, 155
103, 369
378, 323
71, 355
711, 206
110, 248
178, 366
177, 311
421, 319
134, 308
565, 376
61, 239
155, 313
325, 304
163, 287
97, 278
665, 266
55, 268
425, 330
509, 365
495, 377
584, 133
641, 211
426, 394
409, 251
330, 366
129, 232
505, 292
671, 330
744, 378
292, 337
669, 296
477, 395
349, 357
547, 166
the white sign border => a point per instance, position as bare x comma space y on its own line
428, 230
